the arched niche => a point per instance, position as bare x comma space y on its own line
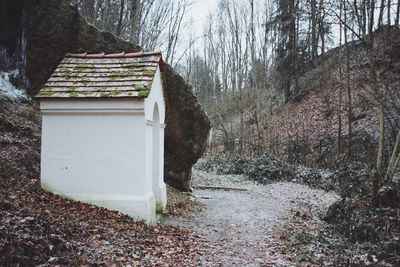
156, 146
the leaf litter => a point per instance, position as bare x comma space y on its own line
40, 228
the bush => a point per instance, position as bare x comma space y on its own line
264, 169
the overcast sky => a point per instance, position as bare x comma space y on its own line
199, 11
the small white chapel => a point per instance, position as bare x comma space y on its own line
103, 132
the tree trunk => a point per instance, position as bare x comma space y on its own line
380, 105
136, 13
364, 10
381, 10
314, 42
121, 16
349, 98
339, 107
381, 146
89, 12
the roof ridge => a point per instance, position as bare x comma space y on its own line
113, 55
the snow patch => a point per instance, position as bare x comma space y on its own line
8, 89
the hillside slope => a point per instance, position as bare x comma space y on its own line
305, 130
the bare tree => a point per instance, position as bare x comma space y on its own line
340, 104
121, 16
153, 24
349, 97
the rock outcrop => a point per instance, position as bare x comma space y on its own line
186, 132
52, 28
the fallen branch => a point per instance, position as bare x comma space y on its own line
204, 187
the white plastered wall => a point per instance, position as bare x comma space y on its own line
155, 129
93, 151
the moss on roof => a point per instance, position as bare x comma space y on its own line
88, 76
144, 90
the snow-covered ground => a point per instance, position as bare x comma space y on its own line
237, 226
8, 89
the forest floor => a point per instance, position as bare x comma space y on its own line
275, 224
245, 227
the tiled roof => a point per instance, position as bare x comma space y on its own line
103, 75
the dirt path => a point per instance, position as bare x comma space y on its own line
236, 226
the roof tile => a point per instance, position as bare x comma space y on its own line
103, 75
